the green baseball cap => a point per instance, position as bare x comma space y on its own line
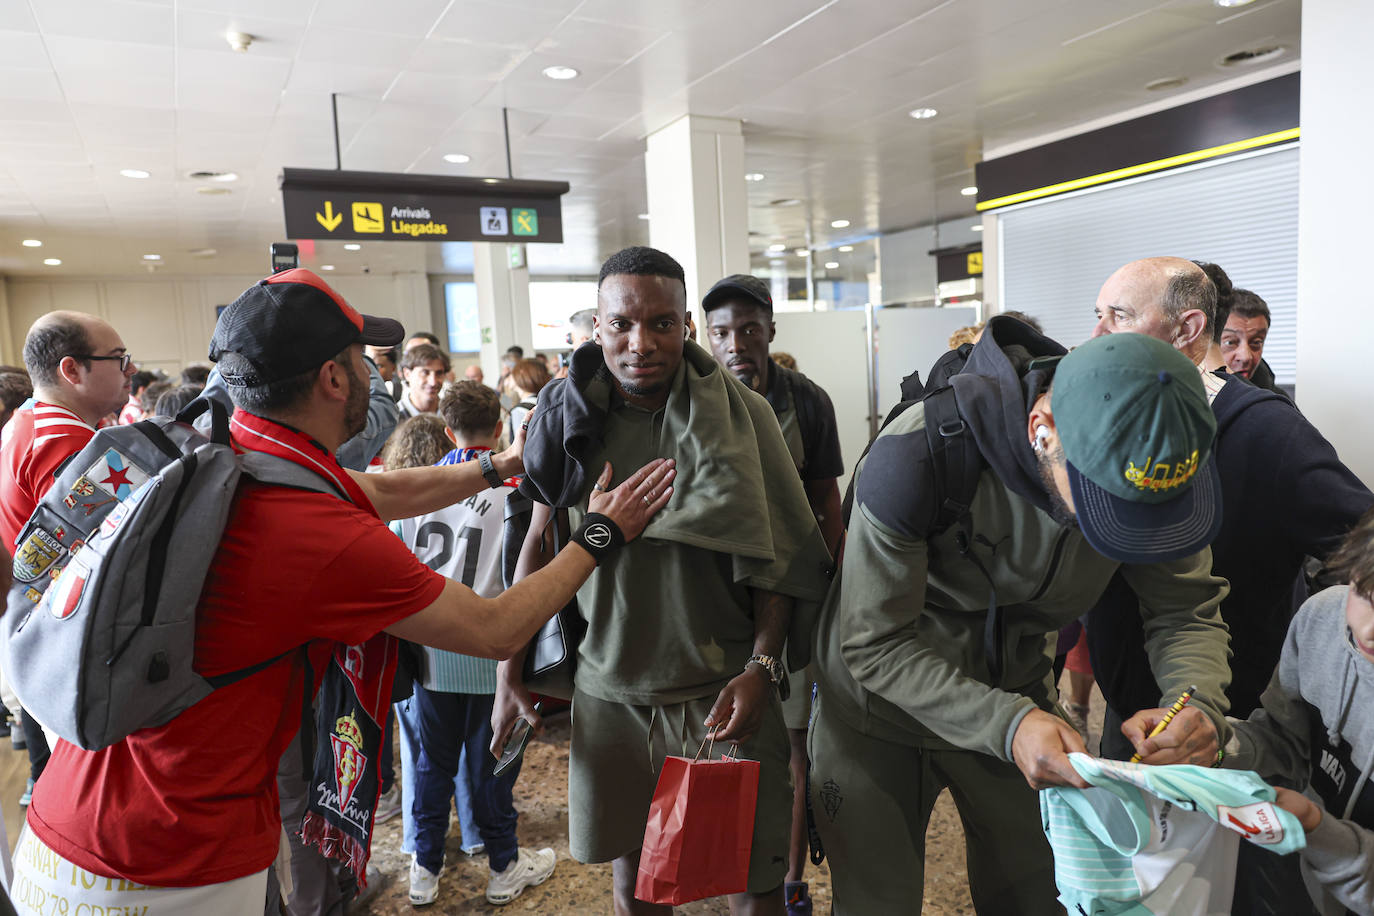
1137, 432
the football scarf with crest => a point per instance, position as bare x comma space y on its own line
354, 695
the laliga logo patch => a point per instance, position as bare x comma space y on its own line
598, 535
1258, 823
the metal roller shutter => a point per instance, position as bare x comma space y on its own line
1241, 213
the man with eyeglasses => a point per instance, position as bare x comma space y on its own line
81, 372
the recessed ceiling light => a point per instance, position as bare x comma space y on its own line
457, 158
152, 257
210, 190
832, 265
326, 267
754, 176
801, 252
52, 262
561, 73
922, 114
1251, 56
135, 173
777, 247
1168, 82
969, 191
353, 246
839, 224
32, 243
491, 181
1228, 4
976, 227
846, 247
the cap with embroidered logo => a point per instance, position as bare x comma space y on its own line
291, 322
1137, 431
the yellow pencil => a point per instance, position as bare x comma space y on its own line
1174, 710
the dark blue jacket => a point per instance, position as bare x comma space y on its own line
1285, 496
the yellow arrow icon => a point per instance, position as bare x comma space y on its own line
330, 220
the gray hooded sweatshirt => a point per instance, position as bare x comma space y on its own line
1315, 733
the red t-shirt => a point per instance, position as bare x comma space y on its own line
36, 442
195, 801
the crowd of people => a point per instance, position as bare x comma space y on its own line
1149, 499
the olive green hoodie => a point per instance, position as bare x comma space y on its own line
900, 640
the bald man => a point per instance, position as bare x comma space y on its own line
1285, 495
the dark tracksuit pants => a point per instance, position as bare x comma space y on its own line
449, 723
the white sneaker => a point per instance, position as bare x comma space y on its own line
424, 884
527, 869
388, 805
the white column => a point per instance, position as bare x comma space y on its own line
1335, 327
698, 208
503, 304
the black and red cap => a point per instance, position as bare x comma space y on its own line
290, 323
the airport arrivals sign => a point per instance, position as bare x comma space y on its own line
388, 206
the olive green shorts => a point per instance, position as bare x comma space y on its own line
617, 753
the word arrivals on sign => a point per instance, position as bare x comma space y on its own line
321, 204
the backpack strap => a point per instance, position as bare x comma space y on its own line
280, 472
219, 417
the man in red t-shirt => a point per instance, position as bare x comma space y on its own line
80, 371
184, 817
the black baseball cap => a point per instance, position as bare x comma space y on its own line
290, 323
736, 286
1137, 434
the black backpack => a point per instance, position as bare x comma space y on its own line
957, 464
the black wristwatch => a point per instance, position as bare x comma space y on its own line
488, 469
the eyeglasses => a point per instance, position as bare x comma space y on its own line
123, 360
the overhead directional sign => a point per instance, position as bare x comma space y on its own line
385, 206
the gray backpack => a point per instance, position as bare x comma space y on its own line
99, 634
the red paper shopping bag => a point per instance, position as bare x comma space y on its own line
700, 830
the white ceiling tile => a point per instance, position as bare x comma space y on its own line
108, 20
435, 96
89, 87
493, 23
398, 17
30, 86
352, 81
581, 38
355, 48
464, 58
23, 50
113, 61
297, 11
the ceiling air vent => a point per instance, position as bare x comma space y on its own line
1169, 82
1252, 56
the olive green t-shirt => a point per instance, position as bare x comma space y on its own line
666, 622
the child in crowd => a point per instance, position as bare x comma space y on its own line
453, 697
1315, 730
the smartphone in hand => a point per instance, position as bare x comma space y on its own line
515, 744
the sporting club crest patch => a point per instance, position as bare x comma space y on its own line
114, 474
349, 760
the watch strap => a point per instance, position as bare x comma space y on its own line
488, 468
